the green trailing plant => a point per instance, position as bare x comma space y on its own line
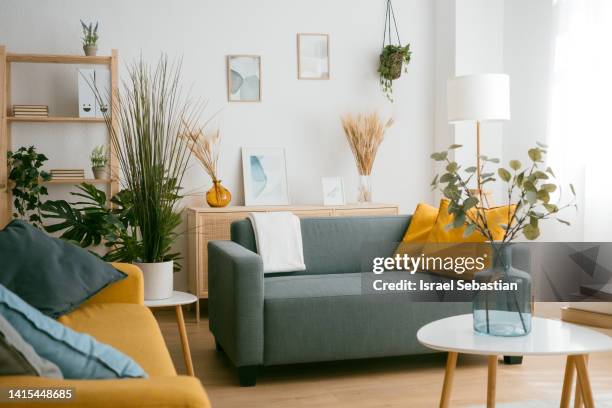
25, 174
528, 187
99, 156
90, 33
392, 59
151, 116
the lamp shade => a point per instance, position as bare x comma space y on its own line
480, 97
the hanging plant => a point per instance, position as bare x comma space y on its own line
393, 57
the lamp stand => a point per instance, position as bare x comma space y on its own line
484, 197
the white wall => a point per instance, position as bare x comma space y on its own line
302, 116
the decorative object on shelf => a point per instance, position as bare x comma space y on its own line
265, 176
206, 149
333, 191
67, 174
89, 79
530, 187
26, 176
393, 57
99, 162
30, 110
152, 115
243, 78
86, 77
479, 98
364, 133
102, 76
90, 38
313, 56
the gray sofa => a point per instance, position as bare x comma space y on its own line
319, 314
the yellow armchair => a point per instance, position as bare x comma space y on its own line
107, 316
128, 290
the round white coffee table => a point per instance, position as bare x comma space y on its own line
548, 337
177, 300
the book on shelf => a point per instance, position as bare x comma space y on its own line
67, 174
30, 110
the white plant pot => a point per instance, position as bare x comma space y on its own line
158, 279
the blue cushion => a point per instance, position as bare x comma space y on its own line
78, 355
50, 274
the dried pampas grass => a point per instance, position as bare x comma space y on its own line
364, 133
206, 148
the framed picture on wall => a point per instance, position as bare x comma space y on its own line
265, 176
333, 191
313, 56
243, 78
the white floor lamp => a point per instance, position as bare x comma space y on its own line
478, 98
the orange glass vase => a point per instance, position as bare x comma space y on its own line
218, 196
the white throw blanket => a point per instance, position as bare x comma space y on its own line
279, 241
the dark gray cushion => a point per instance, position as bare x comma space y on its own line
337, 244
17, 357
52, 275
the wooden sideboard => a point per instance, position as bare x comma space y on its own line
209, 224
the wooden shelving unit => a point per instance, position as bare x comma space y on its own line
7, 121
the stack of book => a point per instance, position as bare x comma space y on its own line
31, 110
67, 174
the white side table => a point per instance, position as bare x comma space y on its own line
178, 299
548, 337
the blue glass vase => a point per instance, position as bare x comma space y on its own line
504, 313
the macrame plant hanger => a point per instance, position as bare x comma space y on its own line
389, 17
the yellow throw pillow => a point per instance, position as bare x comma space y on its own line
440, 234
443, 242
423, 220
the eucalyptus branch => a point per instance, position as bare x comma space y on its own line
533, 205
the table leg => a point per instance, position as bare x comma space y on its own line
451, 363
568, 382
184, 341
583, 379
197, 306
491, 381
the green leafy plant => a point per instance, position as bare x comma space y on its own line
392, 59
90, 33
152, 114
26, 177
528, 187
90, 221
99, 156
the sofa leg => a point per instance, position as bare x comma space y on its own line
218, 346
513, 360
247, 376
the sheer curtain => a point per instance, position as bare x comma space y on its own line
580, 121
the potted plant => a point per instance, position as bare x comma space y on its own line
152, 114
90, 38
26, 177
99, 161
529, 192
392, 59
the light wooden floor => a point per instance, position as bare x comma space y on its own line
389, 382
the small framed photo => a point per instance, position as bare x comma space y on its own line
243, 78
265, 176
333, 191
313, 56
